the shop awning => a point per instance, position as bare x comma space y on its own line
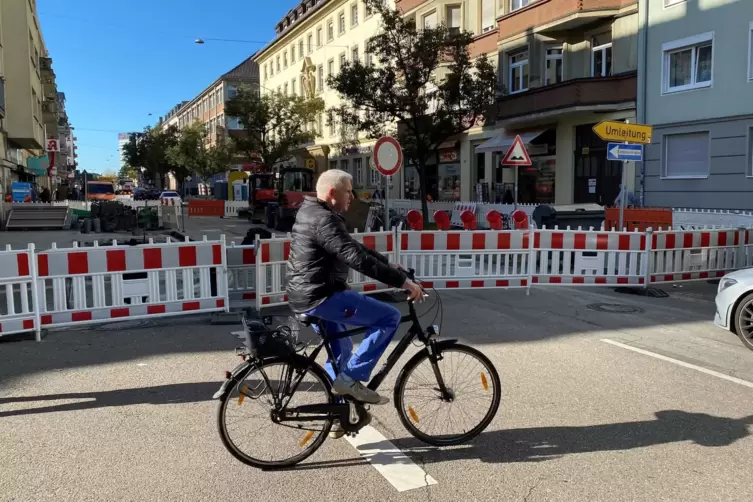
38, 165
447, 144
504, 142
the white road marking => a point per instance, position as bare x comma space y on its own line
389, 461
717, 374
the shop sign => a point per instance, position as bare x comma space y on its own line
448, 155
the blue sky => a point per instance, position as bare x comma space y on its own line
119, 61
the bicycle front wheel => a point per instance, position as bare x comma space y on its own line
473, 395
245, 413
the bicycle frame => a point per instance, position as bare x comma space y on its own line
341, 411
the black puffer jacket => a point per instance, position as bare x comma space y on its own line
321, 253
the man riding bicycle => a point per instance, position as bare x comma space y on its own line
321, 253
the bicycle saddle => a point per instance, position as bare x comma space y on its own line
306, 319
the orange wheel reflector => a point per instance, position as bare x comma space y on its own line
484, 383
306, 439
413, 414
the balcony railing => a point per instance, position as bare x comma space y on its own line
557, 15
592, 91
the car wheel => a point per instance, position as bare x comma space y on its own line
744, 321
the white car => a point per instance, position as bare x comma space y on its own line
171, 196
734, 304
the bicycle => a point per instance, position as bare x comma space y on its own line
265, 349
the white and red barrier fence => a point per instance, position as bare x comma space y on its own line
86, 285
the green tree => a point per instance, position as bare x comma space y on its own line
423, 87
149, 149
194, 157
128, 172
275, 124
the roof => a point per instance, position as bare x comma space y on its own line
247, 70
295, 17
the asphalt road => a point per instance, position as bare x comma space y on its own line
124, 412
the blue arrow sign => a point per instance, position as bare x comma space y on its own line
623, 152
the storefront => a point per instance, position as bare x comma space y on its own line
535, 183
443, 173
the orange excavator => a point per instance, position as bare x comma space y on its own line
277, 197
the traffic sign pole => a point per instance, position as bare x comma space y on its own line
388, 158
624, 191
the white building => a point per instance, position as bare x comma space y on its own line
318, 36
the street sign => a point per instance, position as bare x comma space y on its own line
619, 131
517, 155
624, 152
388, 156
52, 145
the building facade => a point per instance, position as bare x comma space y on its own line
208, 108
31, 105
312, 42
698, 95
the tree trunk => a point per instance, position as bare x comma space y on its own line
422, 191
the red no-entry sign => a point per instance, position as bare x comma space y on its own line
388, 156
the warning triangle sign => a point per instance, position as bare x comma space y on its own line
517, 155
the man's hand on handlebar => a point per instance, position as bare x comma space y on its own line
415, 293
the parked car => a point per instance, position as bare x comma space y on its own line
734, 304
171, 197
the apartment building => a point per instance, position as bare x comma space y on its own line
22, 52
565, 66
312, 42
698, 95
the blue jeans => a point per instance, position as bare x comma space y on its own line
355, 309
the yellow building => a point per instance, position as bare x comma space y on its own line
312, 42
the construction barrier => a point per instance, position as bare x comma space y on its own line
637, 219
86, 285
206, 208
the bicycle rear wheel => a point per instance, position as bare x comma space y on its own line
268, 444
421, 406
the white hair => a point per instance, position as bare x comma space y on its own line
333, 178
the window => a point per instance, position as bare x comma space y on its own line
341, 22
344, 165
374, 175
333, 164
453, 17
278, 64
354, 14
319, 126
354, 54
358, 171
300, 49
265, 72
430, 20
518, 78
310, 43
292, 87
670, 3
331, 68
368, 56
487, 16
332, 132
688, 63
231, 91
553, 65
601, 55
750, 52
320, 78
519, 4
285, 89
342, 60
319, 37
367, 10
284, 59
218, 96
292, 53
330, 30
686, 155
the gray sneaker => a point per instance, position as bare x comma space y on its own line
344, 385
337, 430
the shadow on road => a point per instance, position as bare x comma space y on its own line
477, 317
538, 444
162, 394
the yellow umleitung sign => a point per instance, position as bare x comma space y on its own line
619, 131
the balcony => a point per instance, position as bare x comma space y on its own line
594, 93
45, 64
50, 109
551, 16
